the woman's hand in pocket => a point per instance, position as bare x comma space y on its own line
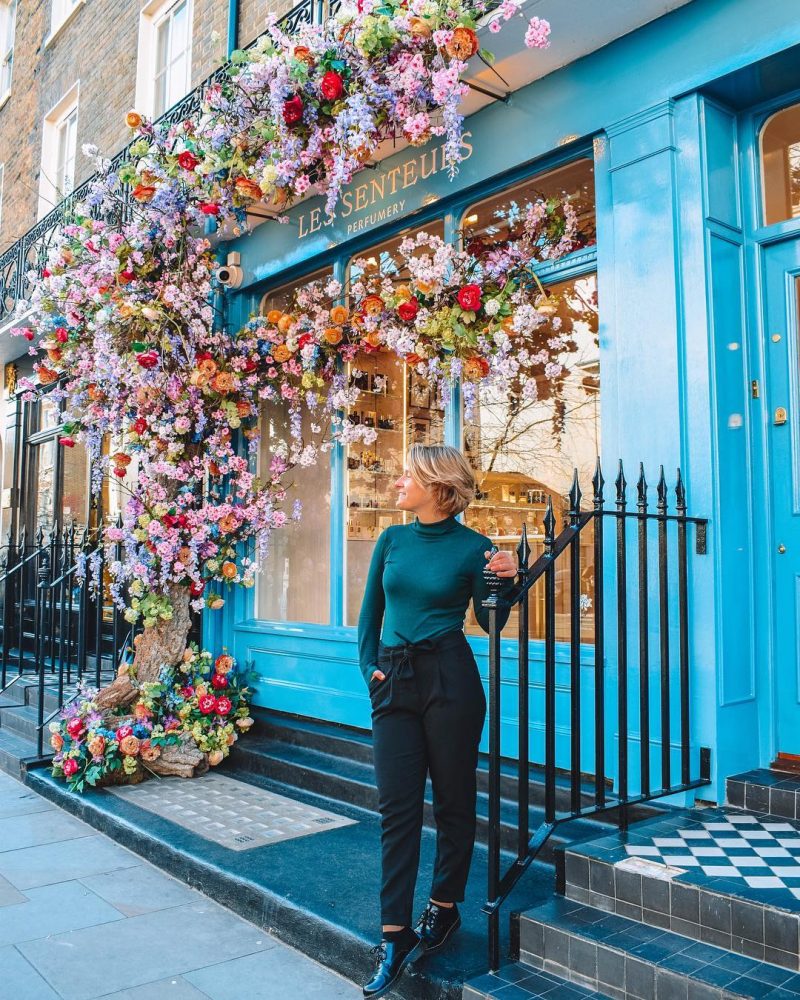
378, 675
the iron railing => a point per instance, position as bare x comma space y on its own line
661, 591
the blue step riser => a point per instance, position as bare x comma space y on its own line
13, 720
746, 928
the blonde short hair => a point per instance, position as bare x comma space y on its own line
447, 474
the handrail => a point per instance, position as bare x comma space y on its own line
543, 571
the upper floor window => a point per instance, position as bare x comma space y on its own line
165, 55
59, 144
61, 12
8, 19
780, 166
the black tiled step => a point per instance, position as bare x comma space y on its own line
761, 923
353, 781
15, 752
517, 981
766, 791
632, 961
318, 893
20, 719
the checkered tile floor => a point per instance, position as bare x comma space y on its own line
764, 852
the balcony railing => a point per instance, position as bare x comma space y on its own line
29, 254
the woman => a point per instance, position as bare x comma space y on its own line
428, 705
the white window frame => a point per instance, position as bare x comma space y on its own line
61, 12
8, 25
52, 132
152, 16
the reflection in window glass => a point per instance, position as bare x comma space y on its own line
524, 452
294, 582
497, 220
780, 158
404, 410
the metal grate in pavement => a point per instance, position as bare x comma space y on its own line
229, 812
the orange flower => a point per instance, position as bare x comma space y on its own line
419, 28
475, 368
129, 746
121, 459
94, 393
274, 316
223, 382
97, 746
339, 315
333, 335
141, 711
281, 352
57, 742
304, 54
133, 119
143, 192
413, 359
185, 554
247, 188
285, 323
54, 353
229, 570
372, 305
403, 293
243, 408
373, 339
149, 752
463, 44
47, 375
208, 366
223, 663
216, 757
507, 323
198, 378
228, 523
425, 287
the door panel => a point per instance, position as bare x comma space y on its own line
782, 402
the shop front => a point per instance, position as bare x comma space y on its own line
681, 303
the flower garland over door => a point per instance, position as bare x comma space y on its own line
126, 332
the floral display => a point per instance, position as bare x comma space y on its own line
202, 698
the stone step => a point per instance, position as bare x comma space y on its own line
766, 791
718, 876
518, 981
632, 961
353, 781
317, 892
15, 752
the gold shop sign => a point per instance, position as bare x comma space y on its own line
377, 199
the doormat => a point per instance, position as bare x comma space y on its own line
229, 812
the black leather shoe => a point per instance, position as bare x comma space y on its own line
392, 957
436, 925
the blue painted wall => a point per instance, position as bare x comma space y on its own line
672, 257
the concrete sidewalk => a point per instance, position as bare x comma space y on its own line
82, 918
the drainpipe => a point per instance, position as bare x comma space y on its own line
233, 26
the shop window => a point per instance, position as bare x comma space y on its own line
294, 582
8, 20
780, 166
165, 55
404, 410
524, 453
495, 220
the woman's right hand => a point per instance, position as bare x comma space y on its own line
378, 675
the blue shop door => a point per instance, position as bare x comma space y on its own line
782, 413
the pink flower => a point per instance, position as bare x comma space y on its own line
69, 767
538, 34
224, 705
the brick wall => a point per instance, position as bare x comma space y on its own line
98, 47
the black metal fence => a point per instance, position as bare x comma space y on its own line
650, 547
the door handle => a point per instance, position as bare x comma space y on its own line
780, 416
781, 548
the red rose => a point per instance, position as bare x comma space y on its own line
304, 339
196, 589
169, 520
250, 365
126, 277
75, 727
208, 208
219, 681
331, 86
203, 356
61, 335
408, 310
66, 442
119, 472
224, 706
122, 732
181, 520
147, 359
187, 160
293, 110
207, 704
45, 273
139, 425
187, 692
469, 298
69, 767
28, 334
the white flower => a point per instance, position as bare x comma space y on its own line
492, 307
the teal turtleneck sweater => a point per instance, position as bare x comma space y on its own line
420, 582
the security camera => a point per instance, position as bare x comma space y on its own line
230, 274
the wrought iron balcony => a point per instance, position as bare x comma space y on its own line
29, 254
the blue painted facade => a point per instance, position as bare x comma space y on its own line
692, 286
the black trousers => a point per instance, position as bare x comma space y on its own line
427, 716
